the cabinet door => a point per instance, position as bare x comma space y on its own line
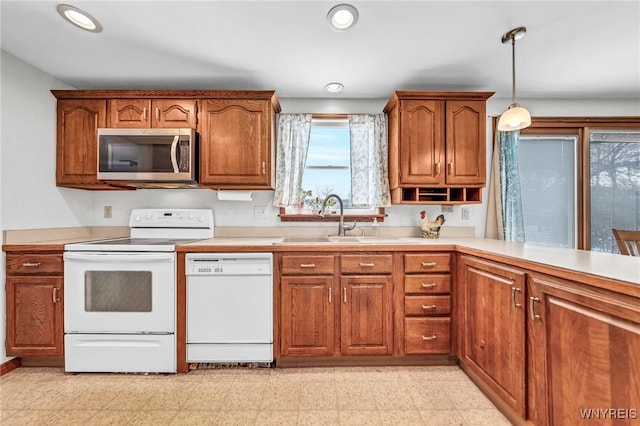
171, 113
494, 331
585, 351
307, 316
130, 113
466, 142
34, 316
366, 315
77, 140
235, 144
422, 142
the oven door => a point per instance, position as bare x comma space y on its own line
119, 292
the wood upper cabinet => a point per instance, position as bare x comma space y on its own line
158, 113
77, 132
585, 354
437, 140
235, 143
493, 327
34, 301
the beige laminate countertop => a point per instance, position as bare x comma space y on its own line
574, 262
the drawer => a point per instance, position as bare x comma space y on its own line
307, 265
34, 263
427, 305
427, 335
366, 263
427, 284
427, 262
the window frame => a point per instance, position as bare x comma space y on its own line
580, 126
361, 218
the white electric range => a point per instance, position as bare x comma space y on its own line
120, 294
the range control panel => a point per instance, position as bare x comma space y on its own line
171, 218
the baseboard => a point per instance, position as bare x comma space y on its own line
43, 361
365, 361
12, 364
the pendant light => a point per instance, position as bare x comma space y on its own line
515, 117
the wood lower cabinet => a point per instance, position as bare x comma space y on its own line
585, 354
493, 327
157, 113
427, 303
77, 142
333, 305
34, 302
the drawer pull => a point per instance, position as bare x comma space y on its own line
429, 285
429, 264
307, 265
432, 337
344, 293
429, 307
329, 294
368, 265
56, 295
31, 264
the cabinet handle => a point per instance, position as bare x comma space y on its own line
307, 265
514, 290
56, 295
429, 264
344, 294
429, 285
429, 307
432, 337
532, 314
369, 265
31, 264
438, 168
449, 167
157, 113
264, 168
329, 294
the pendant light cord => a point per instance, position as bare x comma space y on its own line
513, 70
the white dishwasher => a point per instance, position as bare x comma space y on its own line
229, 307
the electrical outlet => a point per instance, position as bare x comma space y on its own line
446, 209
464, 213
260, 212
107, 212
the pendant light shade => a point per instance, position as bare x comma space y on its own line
515, 117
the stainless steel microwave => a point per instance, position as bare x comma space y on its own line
147, 155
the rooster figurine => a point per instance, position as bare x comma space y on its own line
430, 229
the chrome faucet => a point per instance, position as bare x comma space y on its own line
341, 225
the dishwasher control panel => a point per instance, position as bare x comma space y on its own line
229, 264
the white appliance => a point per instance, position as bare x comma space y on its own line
229, 307
120, 294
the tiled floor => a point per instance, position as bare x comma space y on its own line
311, 396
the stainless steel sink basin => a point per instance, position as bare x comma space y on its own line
340, 240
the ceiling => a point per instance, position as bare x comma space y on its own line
572, 49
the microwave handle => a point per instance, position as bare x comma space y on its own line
174, 154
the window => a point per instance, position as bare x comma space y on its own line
328, 171
580, 178
548, 188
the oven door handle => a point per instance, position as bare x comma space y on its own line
118, 257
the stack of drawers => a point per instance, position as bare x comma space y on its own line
427, 303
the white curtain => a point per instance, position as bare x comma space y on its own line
369, 160
293, 133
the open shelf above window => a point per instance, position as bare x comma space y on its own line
436, 195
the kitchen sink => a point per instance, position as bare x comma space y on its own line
335, 239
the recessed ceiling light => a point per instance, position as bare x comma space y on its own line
342, 17
334, 87
79, 18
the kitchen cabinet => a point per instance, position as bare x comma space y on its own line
585, 353
333, 305
437, 146
34, 304
158, 113
493, 327
236, 149
76, 153
427, 303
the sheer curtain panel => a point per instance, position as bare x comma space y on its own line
291, 155
369, 164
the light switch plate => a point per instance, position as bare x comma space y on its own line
260, 212
108, 212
